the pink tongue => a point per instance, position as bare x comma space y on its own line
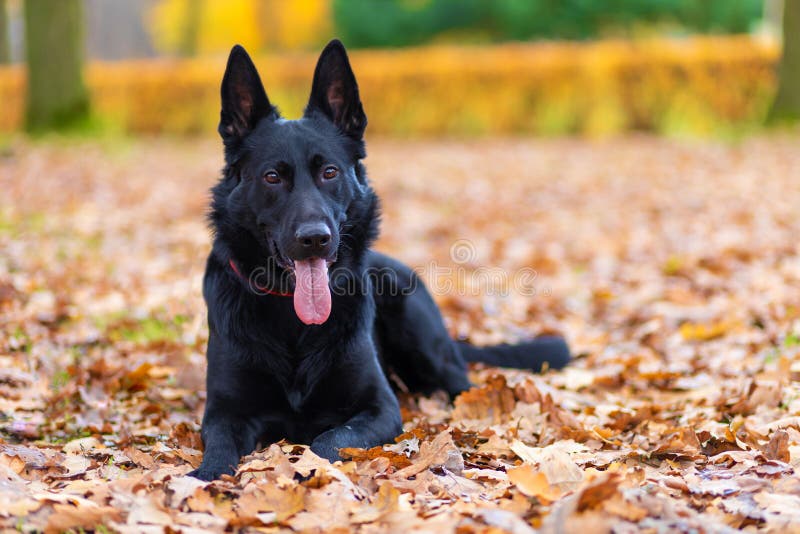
312, 296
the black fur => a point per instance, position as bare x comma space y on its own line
270, 376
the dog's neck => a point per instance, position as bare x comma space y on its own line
254, 285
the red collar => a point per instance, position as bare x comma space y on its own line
255, 287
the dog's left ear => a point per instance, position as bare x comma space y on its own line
334, 91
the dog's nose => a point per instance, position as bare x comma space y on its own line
313, 239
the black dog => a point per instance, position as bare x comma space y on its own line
303, 318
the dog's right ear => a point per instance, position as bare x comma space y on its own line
244, 101
334, 91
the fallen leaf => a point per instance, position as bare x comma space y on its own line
385, 502
533, 483
554, 461
598, 492
439, 452
68, 517
493, 401
284, 502
778, 446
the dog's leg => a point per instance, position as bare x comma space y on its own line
231, 425
375, 418
413, 338
226, 438
414, 341
366, 429
416, 344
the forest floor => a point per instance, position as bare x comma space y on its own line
672, 267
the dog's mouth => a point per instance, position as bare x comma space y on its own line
312, 292
287, 263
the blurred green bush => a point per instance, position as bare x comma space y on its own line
388, 23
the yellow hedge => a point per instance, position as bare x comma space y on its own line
696, 85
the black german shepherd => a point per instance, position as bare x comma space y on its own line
304, 319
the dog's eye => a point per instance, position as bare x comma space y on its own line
271, 177
330, 172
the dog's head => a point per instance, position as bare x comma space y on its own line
294, 198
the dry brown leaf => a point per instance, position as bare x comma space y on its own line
185, 436
703, 332
554, 461
598, 492
386, 501
618, 506
146, 510
140, 457
82, 446
778, 446
683, 443
533, 483
204, 501
284, 502
181, 488
493, 401
439, 452
68, 517
398, 461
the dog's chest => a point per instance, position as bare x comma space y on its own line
305, 378
295, 397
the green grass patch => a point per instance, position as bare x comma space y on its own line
60, 379
144, 331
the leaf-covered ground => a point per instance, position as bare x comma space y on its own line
673, 268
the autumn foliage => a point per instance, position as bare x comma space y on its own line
672, 268
698, 85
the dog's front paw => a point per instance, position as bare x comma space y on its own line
324, 446
208, 474
324, 450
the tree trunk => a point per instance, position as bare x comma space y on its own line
786, 107
5, 53
57, 95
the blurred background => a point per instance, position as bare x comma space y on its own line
508, 67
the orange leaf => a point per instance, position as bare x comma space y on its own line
533, 483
